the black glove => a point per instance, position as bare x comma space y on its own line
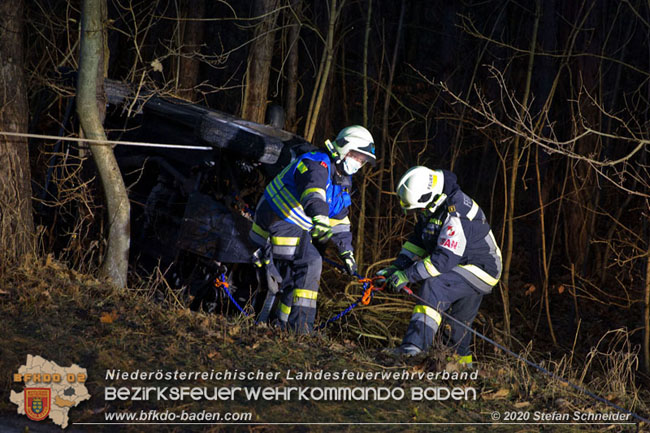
350, 263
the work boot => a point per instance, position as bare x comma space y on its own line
407, 349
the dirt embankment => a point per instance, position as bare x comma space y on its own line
50, 310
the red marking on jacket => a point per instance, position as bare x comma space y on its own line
452, 245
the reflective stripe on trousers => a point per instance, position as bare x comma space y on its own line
303, 310
466, 360
451, 293
283, 312
423, 326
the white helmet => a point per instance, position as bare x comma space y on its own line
419, 186
353, 138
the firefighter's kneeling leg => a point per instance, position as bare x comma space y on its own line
439, 293
306, 270
283, 308
464, 310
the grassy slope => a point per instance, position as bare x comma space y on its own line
52, 311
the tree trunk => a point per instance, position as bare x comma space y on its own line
385, 137
323, 74
646, 315
259, 62
188, 70
545, 259
90, 103
366, 38
363, 186
16, 220
513, 185
584, 183
292, 68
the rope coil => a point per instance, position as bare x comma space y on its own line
407, 290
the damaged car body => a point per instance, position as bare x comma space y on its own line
191, 210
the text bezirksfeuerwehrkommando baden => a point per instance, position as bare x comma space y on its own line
286, 393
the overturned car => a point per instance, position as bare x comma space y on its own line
192, 208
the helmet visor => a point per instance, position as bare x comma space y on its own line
361, 157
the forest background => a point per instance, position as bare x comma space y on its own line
540, 107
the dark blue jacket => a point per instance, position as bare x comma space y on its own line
452, 235
310, 186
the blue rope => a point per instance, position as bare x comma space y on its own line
347, 310
354, 304
224, 286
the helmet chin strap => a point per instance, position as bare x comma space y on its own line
340, 178
437, 202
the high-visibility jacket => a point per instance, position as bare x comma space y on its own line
311, 186
452, 235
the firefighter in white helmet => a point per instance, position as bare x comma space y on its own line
309, 200
452, 251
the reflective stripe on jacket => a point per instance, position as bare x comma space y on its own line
285, 198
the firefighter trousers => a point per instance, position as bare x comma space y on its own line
448, 292
298, 262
